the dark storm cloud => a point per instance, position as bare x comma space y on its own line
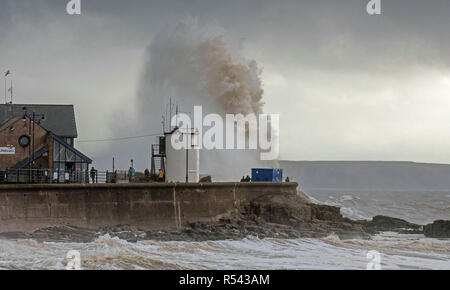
341, 35
318, 33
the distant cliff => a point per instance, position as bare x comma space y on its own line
368, 175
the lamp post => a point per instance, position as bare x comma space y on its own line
192, 144
33, 119
187, 154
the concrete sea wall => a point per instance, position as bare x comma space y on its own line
152, 206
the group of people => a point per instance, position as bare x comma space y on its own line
159, 177
131, 173
248, 179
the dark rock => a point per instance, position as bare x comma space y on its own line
326, 212
206, 179
381, 223
437, 229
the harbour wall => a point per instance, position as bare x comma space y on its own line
152, 206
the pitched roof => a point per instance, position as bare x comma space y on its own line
59, 119
9, 123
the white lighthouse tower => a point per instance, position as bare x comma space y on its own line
182, 164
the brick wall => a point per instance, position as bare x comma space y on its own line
11, 135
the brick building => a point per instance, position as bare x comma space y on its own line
44, 147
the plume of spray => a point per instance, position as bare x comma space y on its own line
200, 66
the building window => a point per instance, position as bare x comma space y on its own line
68, 166
68, 141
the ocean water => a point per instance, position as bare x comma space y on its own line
420, 207
395, 251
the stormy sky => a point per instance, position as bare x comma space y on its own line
347, 85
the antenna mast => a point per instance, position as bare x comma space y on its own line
176, 116
170, 113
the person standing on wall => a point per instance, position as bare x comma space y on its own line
93, 174
131, 174
161, 176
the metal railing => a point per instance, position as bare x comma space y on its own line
48, 176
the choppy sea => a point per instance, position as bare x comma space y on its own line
387, 250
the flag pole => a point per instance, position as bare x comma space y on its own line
11, 91
7, 73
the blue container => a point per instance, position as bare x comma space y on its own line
267, 175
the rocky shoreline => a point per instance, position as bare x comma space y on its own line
271, 216
437, 229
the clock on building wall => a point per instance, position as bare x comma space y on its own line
24, 141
